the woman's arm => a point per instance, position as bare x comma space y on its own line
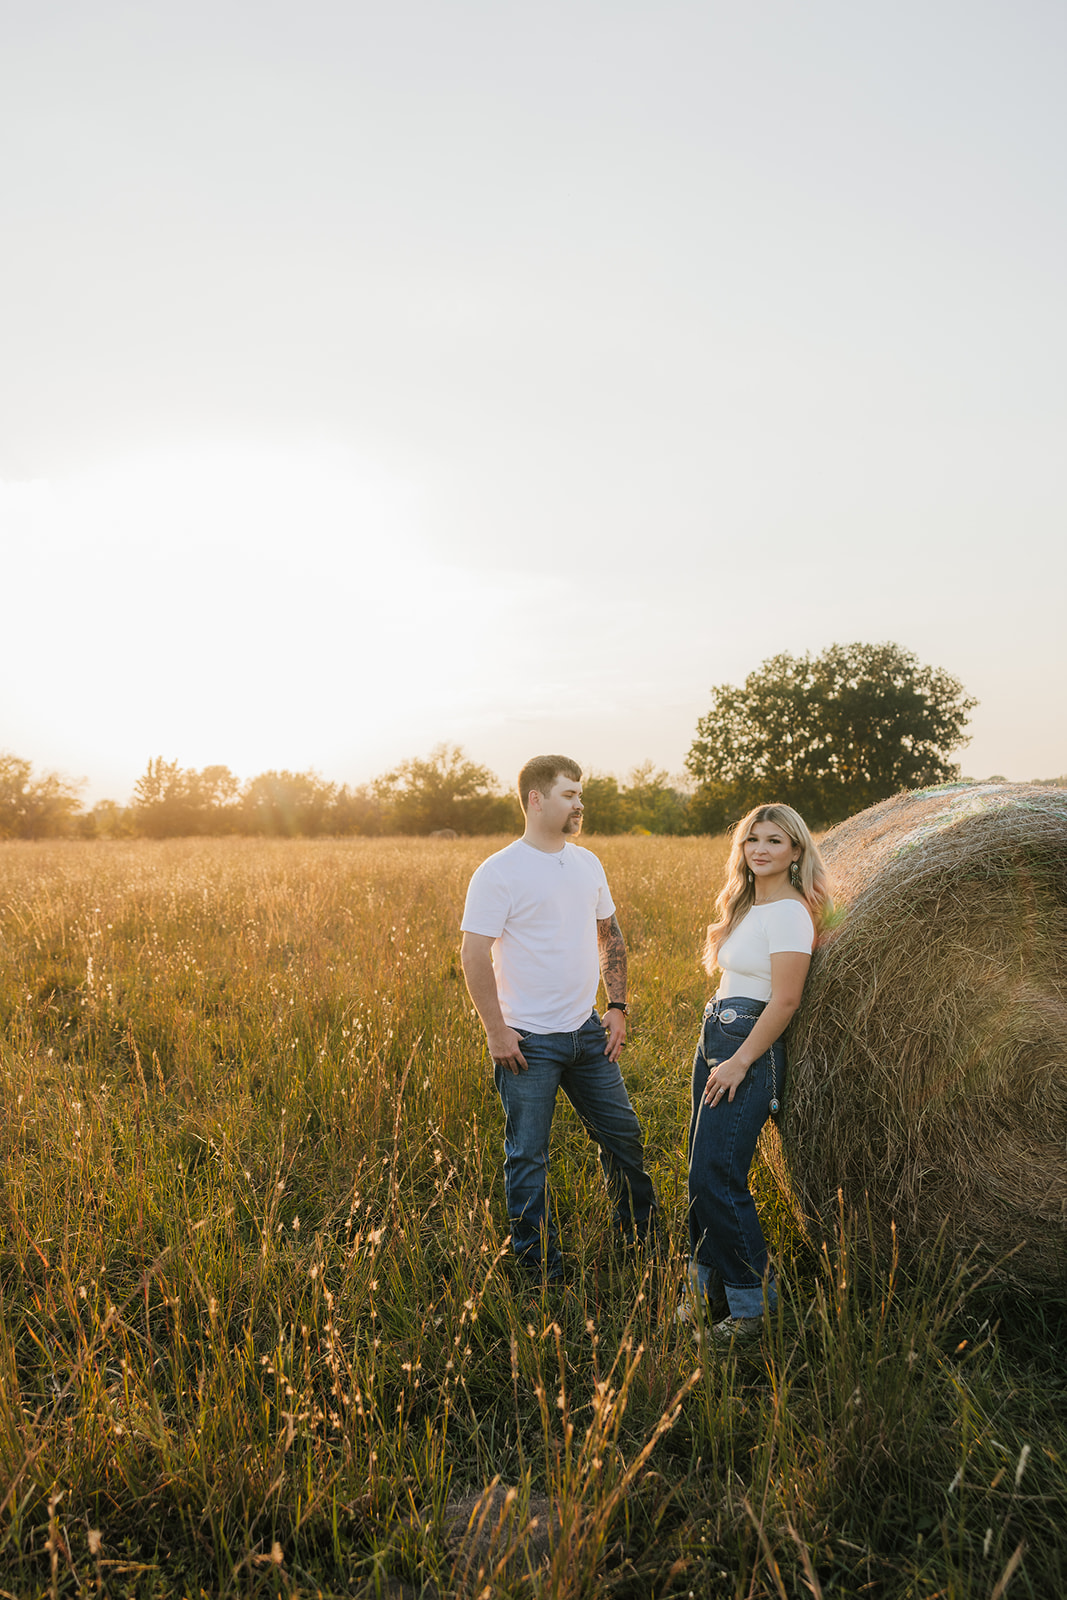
788, 971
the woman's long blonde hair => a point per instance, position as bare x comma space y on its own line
738, 892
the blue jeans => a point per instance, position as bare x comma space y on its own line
577, 1064
727, 1247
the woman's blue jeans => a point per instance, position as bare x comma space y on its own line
727, 1248
577, 1064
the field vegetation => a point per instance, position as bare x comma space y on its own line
260, 1335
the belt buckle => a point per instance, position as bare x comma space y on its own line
729, 1015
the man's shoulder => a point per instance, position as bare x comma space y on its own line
490, 893
585, 859
500, 861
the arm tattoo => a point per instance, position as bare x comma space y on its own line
612, 957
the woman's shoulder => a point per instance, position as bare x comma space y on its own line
790, 908
788, 917
790, 911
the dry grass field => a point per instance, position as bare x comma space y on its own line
259, 1333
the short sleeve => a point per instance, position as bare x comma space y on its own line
605, 905
790, 928
488, 903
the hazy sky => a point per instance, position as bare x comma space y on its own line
378, 374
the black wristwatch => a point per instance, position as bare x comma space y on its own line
618, 1005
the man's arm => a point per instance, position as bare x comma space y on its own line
613, 971
476, 955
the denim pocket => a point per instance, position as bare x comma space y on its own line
735, 1024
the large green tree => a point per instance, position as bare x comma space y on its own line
829, 734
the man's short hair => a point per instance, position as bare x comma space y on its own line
541, 772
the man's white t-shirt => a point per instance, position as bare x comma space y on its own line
764, 931
542, 910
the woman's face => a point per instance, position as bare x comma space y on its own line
769, 851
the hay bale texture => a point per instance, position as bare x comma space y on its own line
928, 1064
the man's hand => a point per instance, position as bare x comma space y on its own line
504, 1048
615, 1033
476, 954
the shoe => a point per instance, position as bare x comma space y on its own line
688, 1309
699, 1319
740, 1330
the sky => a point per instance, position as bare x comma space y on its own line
463, 370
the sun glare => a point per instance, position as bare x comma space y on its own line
253, 607
225, 604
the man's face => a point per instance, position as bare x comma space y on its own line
561, 807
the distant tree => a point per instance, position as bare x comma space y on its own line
655, 804
716, 806
445, 790
161, 801
289, 805
171, 801
829, 734
356, 811
648, 802
217, 792
606, 810
35, 808
107, 820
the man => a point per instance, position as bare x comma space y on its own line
539, 932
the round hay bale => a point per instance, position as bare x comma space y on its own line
928, 1063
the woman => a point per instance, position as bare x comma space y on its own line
775, 894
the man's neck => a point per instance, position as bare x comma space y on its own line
548, 844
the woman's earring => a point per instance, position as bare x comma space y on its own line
750, 875
794, 874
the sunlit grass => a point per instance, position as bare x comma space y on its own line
258, 1327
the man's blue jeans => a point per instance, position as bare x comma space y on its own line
577, 1064
727, 1248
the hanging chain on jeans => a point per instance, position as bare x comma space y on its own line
730, 1015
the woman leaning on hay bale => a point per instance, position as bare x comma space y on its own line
775, 894
928, 1067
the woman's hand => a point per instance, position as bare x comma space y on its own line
723, 1079
789, 968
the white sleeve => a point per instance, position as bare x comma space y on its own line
487, 905
789, 927
605, 905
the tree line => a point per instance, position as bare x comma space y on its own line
829, 734
445, 790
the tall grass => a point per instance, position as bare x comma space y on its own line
259, 1332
